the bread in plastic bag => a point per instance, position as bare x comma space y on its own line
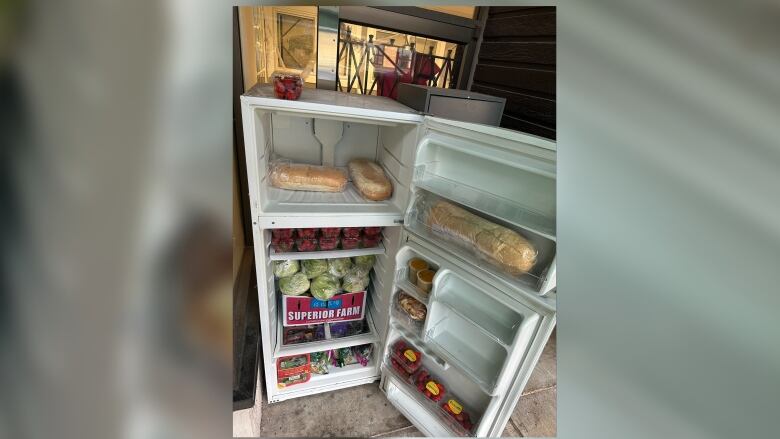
299, 177
497, 244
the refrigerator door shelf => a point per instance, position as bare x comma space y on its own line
403, 283
429, 412
412, 407
498, 319
474, 352
490, 204
326, 254
538, 279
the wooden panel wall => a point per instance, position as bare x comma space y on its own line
517, 61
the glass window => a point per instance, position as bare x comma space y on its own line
296, 44
278, 38
374, 61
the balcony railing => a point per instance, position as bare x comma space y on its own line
371, 68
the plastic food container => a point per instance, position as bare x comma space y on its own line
370, 241
351, 232
425, 280
307, 233
372, 230
282, 233
457, 413
307, 244
415, 266
329, 243
282, 245
293, 370
408, 358
428, 386
287, 85
331, 232
348, 243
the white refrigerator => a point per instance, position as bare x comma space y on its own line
484, 329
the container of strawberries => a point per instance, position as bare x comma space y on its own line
351, 232
307, 233
428, 386
282, 245
407, 357
287, 85
458, 414
306, 244
331, 232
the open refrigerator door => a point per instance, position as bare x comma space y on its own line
472, 301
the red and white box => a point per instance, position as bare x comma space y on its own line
302, 310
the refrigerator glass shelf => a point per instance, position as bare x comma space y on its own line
326, 254
493, 205
430, 406
479, 357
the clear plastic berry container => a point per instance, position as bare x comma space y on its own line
351, 232
287, 85
282, 233
370, 241
282, 245
429, 386
349, 243
307, 233
331, 232
329, 243
306, 244
372, 231
408, 358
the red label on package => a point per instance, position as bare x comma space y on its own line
310, 311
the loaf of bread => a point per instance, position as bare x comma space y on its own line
501, 246
298, 177
370, 180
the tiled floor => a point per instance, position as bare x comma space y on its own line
363, 411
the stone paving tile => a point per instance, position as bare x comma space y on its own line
323, 415
536, 414
546, 372
510, 430
354, 412
409, 431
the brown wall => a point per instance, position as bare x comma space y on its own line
517, 61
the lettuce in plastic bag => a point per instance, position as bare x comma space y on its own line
355, 280
338, 267
314, 267
294, 285
285, 268
365, 261
325, 286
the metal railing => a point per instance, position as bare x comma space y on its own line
405, 65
